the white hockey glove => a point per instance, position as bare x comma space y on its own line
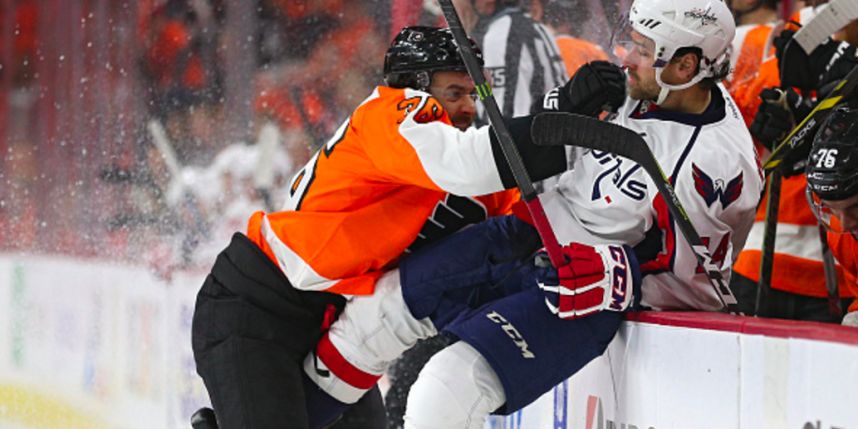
596, 278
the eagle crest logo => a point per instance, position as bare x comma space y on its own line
715, 190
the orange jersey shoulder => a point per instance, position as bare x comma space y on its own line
365, 195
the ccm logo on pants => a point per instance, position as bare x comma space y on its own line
511, 332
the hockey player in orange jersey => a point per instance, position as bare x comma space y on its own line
797, 289
832, 190
755, 20
389, 181
517, 346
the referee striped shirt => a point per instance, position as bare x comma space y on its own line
523, 60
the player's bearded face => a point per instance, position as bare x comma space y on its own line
637, 55
457, 94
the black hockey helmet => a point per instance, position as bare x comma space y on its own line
832, 170
417, 52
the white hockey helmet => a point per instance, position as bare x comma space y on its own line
675, 24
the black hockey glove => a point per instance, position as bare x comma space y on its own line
802, 70
777, 116
840, 65
596, 87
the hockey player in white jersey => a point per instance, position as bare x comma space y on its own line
511, 350
524, 327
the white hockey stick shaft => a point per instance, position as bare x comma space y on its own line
162, 143
828, 20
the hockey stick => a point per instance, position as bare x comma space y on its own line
834, 16
557, 129
830, 275
798, 136
162, 143
767, 252
803, 131
513, 158
263, 174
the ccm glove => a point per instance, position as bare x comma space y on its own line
596, 87
594, 279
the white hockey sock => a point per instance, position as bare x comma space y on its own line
371, 332
457, 389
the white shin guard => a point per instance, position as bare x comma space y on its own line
457, 389
370, 333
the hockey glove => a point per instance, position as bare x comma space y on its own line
775, 118
841, 64
800, 69
596, 278
596, 87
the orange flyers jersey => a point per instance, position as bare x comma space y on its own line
797, 266
577, 52
751, 47
380, 183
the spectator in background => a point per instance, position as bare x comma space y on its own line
755, 20
18, 159
184, 73
315, 85
563, 17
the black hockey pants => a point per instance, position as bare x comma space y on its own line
251, 331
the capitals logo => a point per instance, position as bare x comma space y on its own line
715, 190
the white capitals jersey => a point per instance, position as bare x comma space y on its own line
711, 163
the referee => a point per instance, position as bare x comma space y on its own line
520, 55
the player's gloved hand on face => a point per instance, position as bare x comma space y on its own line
802, 70
596, 87
594, 279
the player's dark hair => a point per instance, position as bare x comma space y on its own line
710, 81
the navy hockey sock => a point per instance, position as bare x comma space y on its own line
322, 408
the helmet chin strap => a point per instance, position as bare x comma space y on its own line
665, 88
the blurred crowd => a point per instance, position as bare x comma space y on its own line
209, 107
149, 131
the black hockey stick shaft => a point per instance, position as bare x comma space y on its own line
798, 136
828, 265
555, 129
510, 152
767, 253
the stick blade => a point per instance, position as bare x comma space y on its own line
559, 129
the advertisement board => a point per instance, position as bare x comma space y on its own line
91, 345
